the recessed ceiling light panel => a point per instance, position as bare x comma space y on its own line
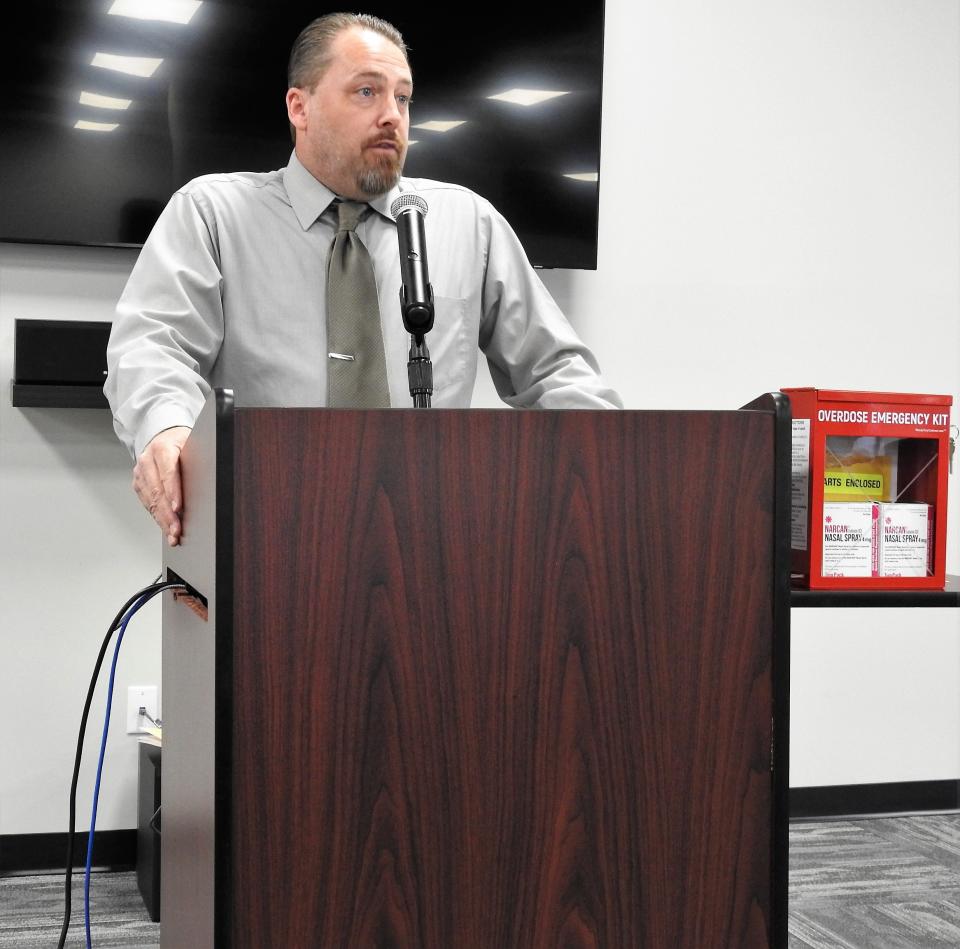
103, 102
132, 65
527, 96
437, 126
96, 126
584, 176
172, 11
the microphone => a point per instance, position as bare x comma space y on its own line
416, 294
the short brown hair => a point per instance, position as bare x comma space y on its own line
310, 55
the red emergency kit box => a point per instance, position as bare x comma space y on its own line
869, 489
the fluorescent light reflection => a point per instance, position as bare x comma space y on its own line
96, 126
584, 176
438, 126
173, 11
103, 102
132, 65
527, 96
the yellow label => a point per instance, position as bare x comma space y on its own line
839, 484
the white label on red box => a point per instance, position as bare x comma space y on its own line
849, 539
800, 483
905, 548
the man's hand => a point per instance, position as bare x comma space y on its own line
156, 479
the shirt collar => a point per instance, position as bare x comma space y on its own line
381, 204
310, 197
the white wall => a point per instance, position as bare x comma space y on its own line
779, 206
74, 546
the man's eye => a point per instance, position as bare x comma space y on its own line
366, 91
403, 100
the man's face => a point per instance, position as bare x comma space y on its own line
352, 128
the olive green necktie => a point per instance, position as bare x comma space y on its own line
356, 366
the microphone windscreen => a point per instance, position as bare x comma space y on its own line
408, 200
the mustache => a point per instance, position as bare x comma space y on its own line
393, 140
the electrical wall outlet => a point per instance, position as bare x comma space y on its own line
138, 696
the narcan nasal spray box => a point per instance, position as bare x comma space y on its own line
905, 540
850, 539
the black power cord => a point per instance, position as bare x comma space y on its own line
149, 593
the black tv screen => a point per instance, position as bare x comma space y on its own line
90, 153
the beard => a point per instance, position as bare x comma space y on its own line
380, 174
358, 171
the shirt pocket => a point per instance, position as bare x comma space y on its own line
448, 341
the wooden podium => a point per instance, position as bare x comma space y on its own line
479, 680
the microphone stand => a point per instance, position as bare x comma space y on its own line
418, 321
420, 371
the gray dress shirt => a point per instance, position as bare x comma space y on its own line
229, 291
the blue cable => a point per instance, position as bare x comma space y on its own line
103, 747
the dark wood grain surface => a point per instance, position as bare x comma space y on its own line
502, 679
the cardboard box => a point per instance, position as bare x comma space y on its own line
850, 537
905, 540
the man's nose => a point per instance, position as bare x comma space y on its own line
391, 114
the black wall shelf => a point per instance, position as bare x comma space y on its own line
948, 596
27, 396
59, 364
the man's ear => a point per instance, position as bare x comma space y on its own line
296, 107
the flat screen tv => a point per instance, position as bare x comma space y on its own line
506, 101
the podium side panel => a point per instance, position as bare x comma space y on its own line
196, 696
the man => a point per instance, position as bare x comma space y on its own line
229, 289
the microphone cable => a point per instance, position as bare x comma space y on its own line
120, 620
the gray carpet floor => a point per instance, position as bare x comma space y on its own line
891, 883
31, 912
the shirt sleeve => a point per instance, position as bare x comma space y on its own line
536, 359
168, 327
